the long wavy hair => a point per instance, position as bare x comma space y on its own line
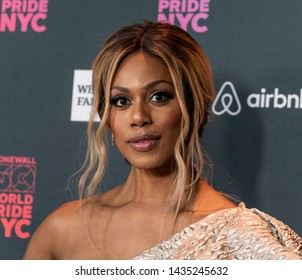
193, 82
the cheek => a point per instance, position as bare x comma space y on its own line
111, 120
114, 122
171, 119
119, 128
170, 125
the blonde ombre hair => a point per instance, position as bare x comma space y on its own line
193, 82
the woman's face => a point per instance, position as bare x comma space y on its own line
145, 117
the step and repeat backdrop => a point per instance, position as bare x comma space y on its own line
254, 138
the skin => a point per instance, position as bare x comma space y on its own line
130, 218
146, 104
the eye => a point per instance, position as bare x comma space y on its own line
119, 101
161, 97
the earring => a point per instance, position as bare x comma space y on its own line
112, 140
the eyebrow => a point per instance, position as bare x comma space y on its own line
147, 86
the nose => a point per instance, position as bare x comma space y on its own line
140, 115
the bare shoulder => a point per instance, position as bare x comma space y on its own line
209, 200
52, 232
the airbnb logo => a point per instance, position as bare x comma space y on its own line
227, 101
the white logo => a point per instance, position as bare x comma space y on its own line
81, 96
227, 101
274, 100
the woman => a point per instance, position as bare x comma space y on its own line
152, 88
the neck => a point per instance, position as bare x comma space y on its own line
149, 186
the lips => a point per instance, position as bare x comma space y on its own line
144, 143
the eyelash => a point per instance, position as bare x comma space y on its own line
164, 95
115, 99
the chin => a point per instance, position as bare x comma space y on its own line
151, 164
